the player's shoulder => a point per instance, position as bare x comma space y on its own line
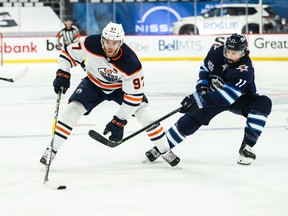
245, 65
128, 61
216, 47
92, 43
215, 54
96, 38
129, 53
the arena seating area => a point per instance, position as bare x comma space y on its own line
28, 3
55, 4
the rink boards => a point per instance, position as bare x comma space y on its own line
151, 48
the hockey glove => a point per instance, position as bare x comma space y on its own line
62, 80
116, 127
192, 103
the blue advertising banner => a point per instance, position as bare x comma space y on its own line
151, 18
143, 18
137, 18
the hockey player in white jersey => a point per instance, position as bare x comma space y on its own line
114, 73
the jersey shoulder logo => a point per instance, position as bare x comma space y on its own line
242, 68
225, 66
215, 46
210, 66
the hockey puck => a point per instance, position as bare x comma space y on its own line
62, 187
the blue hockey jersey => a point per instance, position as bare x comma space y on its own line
226, 83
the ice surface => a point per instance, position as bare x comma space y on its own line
115, 182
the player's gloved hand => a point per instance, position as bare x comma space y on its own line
192, 103
62, 81
116, 127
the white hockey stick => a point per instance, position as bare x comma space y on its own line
19, 76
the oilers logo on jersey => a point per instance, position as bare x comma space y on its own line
111, 75
79, 91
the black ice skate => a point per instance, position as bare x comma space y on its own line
47, 154
168, 156
153, 154
246, 154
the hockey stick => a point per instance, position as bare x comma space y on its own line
98, 137
48, 161
19, 76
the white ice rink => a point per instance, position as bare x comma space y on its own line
115, 182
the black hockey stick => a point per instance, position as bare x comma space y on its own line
19, 76
50, 147
98, 137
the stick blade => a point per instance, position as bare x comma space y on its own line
6, 79
98, 137
54, 186
21, 74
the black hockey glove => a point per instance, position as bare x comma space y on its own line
116, 127
192, 103
62, 80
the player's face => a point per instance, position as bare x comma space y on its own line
233, 56
110, 47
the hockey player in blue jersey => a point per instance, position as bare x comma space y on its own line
114, 73
226, 83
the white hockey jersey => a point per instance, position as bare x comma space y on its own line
108, 74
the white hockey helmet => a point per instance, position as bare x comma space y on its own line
114, 32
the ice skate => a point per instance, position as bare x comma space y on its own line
153, 154
246, 154
168, 156
171, 158
46, 155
